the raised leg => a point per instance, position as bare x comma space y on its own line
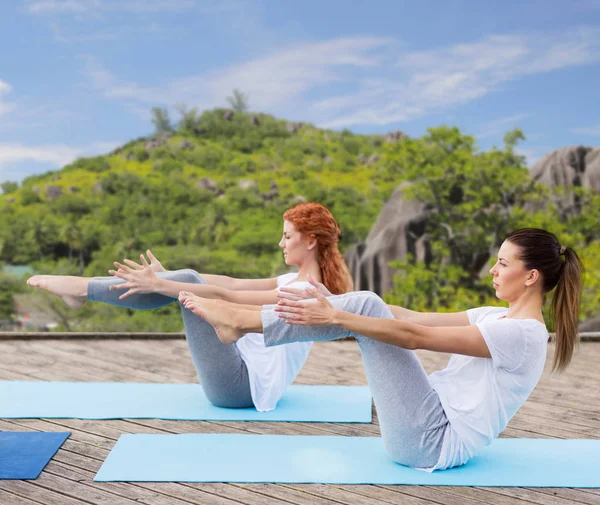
411, 417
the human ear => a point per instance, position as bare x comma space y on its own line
532, 277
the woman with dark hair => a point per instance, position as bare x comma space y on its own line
498, 354
245, 374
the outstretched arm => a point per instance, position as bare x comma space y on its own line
222, 281
430, 318
465, 340
142, 279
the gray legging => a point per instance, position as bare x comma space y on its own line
411, 417
220, 367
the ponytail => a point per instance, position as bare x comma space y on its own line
565, 309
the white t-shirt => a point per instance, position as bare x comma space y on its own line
272, 369
481, 395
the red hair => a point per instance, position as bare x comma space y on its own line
315, 220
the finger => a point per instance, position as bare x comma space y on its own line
314, 282
144, 262
150, 255
294, 291
114, 287
289, 303
132, 264
128, 293
122, 267
288, 296
295, 310
318, 295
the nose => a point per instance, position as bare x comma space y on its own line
281, 243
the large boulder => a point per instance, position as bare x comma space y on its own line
570, 166
397, 232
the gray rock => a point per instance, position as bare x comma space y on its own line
207, 184
395, 136
374, 158
399, 230
97, 188
293, 126
575, 165
53, 192
228, 115
247, 184
362, 159
186, 144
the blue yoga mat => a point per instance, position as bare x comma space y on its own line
343, 460
23, 455
118, 400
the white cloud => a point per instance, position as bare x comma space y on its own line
533, 154
57, 155
382, 89
428, 81
593, 130
501, 126
51, 155
5, 88
270, 82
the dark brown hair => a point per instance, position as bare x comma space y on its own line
560, 268
315, 220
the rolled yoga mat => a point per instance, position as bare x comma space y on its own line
23, 455
119, 400
343, 460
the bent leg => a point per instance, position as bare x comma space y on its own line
411, 417
220, 368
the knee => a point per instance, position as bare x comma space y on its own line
372, 304
186, 275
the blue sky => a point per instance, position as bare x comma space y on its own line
79, 77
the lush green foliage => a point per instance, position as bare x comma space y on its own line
208, 196
209, 193
475, 200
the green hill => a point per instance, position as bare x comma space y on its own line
208, 195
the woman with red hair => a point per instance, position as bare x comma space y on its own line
247, 373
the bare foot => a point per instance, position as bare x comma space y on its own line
217, 313
73, 290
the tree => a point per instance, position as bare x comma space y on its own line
474, 199
160, 120
9, 187
239, 101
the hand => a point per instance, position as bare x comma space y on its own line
303, 312
155, 265
295, 294
138, 278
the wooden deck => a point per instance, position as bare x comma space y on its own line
566, 406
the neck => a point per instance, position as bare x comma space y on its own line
310, 267
527, 306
